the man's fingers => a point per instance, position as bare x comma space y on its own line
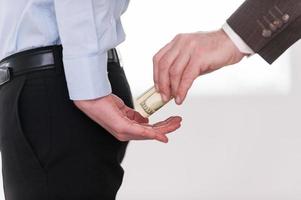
162, 138
156, 131
164, 65
159, 137
134, 115
123, 122
132, 126
166, 121
169, 125
139, 118
190, 74
144, 132
176, 71
129, 112
156, 60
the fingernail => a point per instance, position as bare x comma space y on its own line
178, 100
164, 97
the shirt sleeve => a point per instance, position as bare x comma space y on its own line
85, 61
236, 39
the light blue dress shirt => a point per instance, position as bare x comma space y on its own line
87, 29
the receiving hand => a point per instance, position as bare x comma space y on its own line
123, 122
188, 56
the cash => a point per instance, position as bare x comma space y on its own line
149, 102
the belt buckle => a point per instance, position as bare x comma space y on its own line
5, 75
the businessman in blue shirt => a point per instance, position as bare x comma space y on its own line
65, 105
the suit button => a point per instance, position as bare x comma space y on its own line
273, 27
278, 23
266, 33
285, 18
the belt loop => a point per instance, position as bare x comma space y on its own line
58, 58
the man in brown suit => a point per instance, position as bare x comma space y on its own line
266, 27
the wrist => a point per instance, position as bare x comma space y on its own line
229, 45
85, 104
228, 41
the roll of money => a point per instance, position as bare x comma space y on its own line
149, 102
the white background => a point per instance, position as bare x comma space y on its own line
241, 134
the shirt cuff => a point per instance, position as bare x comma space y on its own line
236, 39
87, 77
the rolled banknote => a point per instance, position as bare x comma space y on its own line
149, 102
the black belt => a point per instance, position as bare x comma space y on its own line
35, 60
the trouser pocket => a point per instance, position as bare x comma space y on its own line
34, 118
24, 175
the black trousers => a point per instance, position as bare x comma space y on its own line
50, 149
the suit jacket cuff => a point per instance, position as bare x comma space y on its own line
268, 27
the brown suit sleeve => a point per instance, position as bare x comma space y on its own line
269, 27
